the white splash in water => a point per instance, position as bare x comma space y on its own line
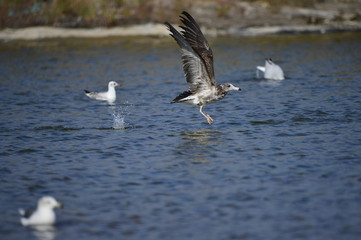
118, 113
118, 121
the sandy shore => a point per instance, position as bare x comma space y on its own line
36, 33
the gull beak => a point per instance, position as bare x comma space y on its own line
59, 205
235, 88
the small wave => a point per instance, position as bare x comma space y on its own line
270, 121
61, 128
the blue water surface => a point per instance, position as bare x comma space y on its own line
281, 161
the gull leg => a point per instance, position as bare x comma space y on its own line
209, 119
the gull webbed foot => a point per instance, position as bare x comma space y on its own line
209, 119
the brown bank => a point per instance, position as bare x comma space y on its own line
35, 19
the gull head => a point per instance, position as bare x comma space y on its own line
49, 202
230, 87
113, 84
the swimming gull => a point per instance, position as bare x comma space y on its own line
197, 59
43, 215
271, 70
109, 96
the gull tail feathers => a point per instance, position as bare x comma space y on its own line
181, 96
261, 68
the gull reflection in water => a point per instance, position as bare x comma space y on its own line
270, 83
44, 232
200, 145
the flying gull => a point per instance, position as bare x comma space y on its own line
271, 70
197, 59
43, 215
109, 96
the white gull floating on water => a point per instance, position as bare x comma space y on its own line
109, 96
197, 58
271, 70
43, 215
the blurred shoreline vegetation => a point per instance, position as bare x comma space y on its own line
110, 13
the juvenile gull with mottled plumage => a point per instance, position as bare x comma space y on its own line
197, 59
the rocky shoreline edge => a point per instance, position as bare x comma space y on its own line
38, 33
